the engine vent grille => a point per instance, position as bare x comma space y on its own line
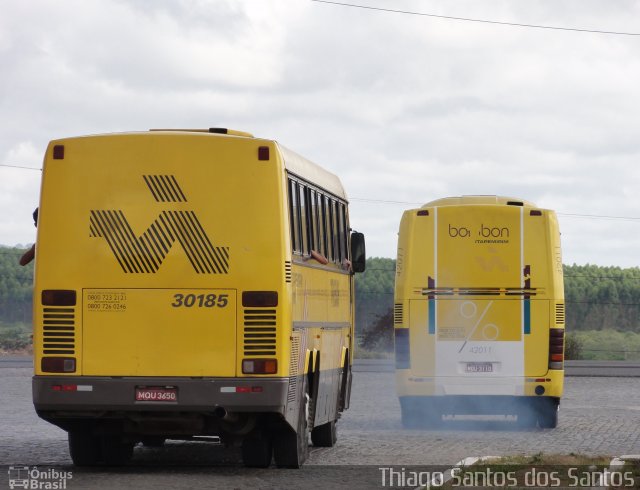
560, 314
293, 369
259, 332
287, 271
58, 330
398, 314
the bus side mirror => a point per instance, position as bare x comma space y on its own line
358, 254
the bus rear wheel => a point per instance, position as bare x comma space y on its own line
115, 451
527, 417
85, 448
153, 441
257, 450
291, 448
548, 413
324, 435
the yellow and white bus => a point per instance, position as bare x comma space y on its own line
192, 284
479, 311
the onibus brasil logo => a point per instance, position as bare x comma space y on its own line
34, 478
144, 254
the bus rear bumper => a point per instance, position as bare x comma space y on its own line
78, 394
475, 404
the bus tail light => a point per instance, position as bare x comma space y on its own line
260, 299
71, 387
241, 389
64, 387
259, 366
556, 348
58, 297
263, 153
58, 152
58, 364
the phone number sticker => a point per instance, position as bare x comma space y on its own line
106, 301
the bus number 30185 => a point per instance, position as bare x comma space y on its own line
200, 300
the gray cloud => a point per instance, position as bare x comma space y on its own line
403, 108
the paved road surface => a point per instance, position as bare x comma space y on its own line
598, 416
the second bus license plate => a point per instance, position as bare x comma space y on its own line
156, 394
479, 367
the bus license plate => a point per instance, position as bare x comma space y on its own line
156, 394
479, 367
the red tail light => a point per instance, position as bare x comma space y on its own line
556, 348
259, 366
260, 299
58, 364
58, 297
64, 387
263, 153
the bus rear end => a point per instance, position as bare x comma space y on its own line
479, 311
158, 296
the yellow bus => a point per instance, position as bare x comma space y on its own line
192, 284
479, 311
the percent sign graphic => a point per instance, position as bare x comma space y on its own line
468, 310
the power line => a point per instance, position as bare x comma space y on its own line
19, 166
409, 203
570, 215
595, 216
382, 201
572, 276
592, 303
600, 303
482, 21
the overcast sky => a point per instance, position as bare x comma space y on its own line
404, 108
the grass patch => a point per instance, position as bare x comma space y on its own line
15, 338
608, 345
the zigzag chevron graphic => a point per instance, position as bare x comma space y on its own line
165, 188
146, 253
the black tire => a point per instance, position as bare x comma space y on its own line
324, 435
291, 448
115, 452
548, 413
257, 450
153, 441
527, 417
85, 449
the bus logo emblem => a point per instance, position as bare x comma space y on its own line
145, 254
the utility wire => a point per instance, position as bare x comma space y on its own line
409, 203
572, 276
593, 303
383, 201
595, 216
570, 215
482, 21
19, 166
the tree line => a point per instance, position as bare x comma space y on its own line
597, 298
16, 283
